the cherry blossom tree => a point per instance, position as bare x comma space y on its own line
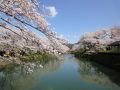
115, 31
98, 39
27, 14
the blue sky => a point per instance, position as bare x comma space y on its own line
75, 17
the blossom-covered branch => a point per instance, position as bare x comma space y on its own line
27, 13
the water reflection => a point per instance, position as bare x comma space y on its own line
25, 76
65, 74
95, 73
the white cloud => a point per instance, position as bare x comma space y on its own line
51, 11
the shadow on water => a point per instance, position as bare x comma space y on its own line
98, 73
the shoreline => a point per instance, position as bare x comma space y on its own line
28, 59
109, 60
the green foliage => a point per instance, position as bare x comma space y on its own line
29, 55
37, 57
4, 46
79, 53
111, 50
4, 64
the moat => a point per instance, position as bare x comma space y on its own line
66, 74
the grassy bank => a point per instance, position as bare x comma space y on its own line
25, 54
8, 55
79, 53
37, 57
3, 64
111, 60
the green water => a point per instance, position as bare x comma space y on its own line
66, 74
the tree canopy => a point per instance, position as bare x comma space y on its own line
23, 15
